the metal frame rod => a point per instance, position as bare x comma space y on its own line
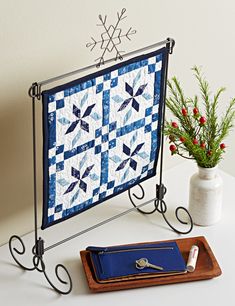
65, 75
34, 170
163, 113
99, 224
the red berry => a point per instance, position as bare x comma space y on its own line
182, 139
209, 153
173, 148
195, 141
202, 120
222, 146
203, 145
195, 111
184, 112
174, 124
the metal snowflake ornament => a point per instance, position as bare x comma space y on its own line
110, 38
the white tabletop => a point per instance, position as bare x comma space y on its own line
18, 287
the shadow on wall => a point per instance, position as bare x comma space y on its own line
16, 179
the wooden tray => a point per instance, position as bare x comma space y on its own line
207, 267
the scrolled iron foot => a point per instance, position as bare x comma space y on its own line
68, 282
19, 252
162, 208
39, 265
140, 197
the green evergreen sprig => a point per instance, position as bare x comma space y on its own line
198, 132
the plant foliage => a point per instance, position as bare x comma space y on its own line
199, 130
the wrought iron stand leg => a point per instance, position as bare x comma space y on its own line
38, 263
38, 249
161, 206
159, 203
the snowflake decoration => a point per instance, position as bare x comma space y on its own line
110, 38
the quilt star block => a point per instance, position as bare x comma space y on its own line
101, 135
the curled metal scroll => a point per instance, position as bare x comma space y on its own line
39, 265
161, 207
35, 91
139, 197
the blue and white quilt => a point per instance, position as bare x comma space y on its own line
101, 135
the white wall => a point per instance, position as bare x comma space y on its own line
41, 39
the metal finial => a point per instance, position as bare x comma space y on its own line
110, 38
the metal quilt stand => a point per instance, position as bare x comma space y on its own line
16, 244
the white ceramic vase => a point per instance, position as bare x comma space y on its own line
205, 196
